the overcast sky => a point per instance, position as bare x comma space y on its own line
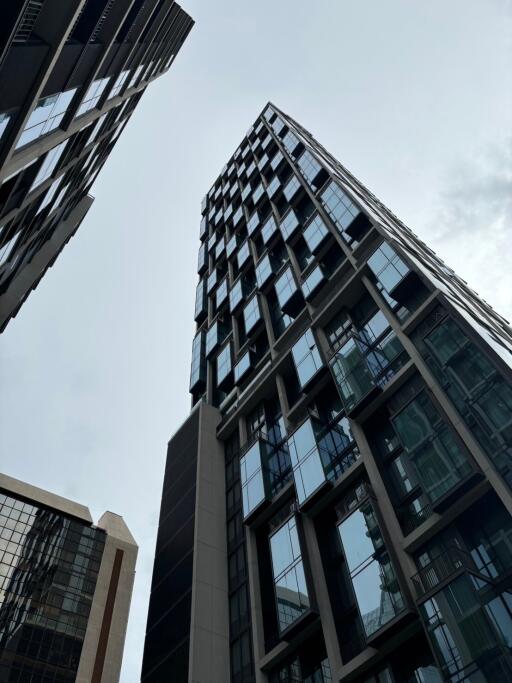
413, 96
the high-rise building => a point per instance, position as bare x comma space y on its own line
65, 588
337, 506
71, 75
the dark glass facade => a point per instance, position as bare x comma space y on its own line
364, 400
49, 566
71, 75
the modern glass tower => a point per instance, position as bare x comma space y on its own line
337, 507
71, 75
65, 588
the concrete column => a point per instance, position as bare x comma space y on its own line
209, 660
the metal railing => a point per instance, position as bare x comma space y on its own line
442, 567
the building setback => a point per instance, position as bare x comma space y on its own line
65, 588
71, 75
337, 506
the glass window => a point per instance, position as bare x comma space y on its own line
290, 142
309, 166
92, 95
481, 394
291, 188
201, 308
252, 314
221, 294
291, 591
243, 366
224, 364
212, 280
253, 223
313, 282
136, 75
236, 295
340, 208
120, 80
437, 458
258, 192
387, 266
220, 247
273, 186
276, 160
46, 116
286, 287
202, 259
264, 271
315, 233
376, 587
243, 254
49, 164
308, 472
289, 224
4, 122
198, 364
306, 358
95, 129
269, 228
214, 337
251, 477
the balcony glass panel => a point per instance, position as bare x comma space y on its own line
201, 307
289, 224
306, 357
224, 364
388, 267
212, 280
291, 188
252, 314
308, 472
220, 248
202, 259
264, 469
214, 337
470, 630
258, 193
309, 166
236, 295
231, 246
243, 255
92, 95
292, 598
268, 230
481, 394
341, 209
46, 116
286, 288
243, 367
315, 233
264, 271
253, 223
273, 187
290, 142
313, 282
221, 294
439, 461
359, 366
373, 577
276, 160
198, 364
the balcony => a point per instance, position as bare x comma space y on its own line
443, 569
360, 371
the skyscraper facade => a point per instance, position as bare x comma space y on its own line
337, 507
65, 588
71, 75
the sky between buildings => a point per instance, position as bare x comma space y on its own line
413, 96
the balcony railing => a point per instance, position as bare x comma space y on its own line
441, 568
